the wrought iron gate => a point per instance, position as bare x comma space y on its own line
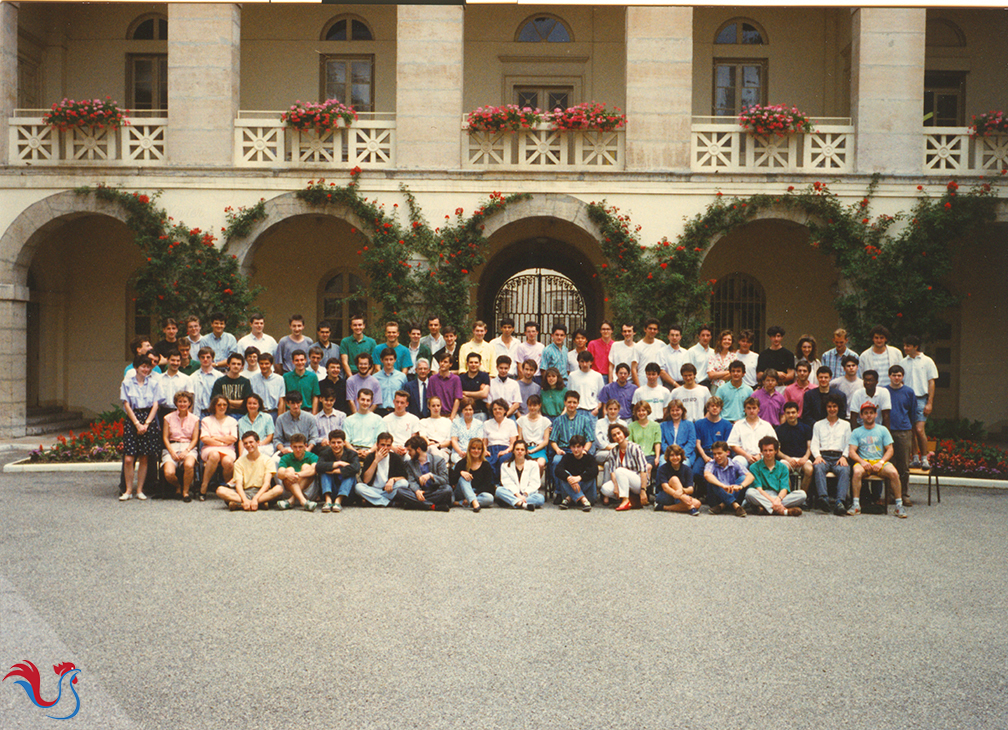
739, 303
543, 295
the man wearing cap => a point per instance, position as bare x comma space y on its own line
871, 450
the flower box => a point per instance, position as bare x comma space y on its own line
780, 120
588, 116
507, 118
989, 124
92, 114
319, 117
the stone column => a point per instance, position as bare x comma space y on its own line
204, 45
887, 88
659, 87
428, 85
8, 73
13, 359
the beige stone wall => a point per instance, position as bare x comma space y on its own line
495, 62
982, 57
8, 69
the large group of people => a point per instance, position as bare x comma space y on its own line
436, 423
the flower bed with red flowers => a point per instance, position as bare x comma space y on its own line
321, 116
989, 123
102, 442
588, 116
89, 113
970, 459
507, 118
780, 120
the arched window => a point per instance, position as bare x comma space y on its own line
741, 32
147, 71
347, 28
150, 27
941, 33
544, 29
739, 303
341, 296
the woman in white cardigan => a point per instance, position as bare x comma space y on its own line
520, 480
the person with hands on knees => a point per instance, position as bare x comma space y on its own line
726, 481
296, 472
576, 476
675, 484
251, 486
520, 480
427, 477
382, 473
472, 477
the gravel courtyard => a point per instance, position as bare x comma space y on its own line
187, 616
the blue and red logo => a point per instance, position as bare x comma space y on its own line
31, 684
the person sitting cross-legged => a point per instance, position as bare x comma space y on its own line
871, 450
520, 480
337, 468
771, 479
675, 484
726, 481
382, 473
427, 477
576, 475
251, 485
296, 472
472, 477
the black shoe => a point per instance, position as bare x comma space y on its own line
564, 503
824, 506
558, 499
442, 507
530, 507
839, 510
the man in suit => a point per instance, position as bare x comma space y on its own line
417, 390
427, 475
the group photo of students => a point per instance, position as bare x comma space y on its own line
524, 419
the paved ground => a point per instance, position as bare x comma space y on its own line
186, 616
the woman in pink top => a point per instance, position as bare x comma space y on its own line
219, 433
720, 358
600, 349
181, 432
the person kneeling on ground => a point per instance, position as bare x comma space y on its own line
337, 465
296, 472
520, 480
382, 473
727, 481
577, 472
427, 476
871, 450
675, 484
251, 486
771, 479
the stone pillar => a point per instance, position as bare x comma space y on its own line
8, 74
428, 85
659, 87
204, 46
13, 359
887, 88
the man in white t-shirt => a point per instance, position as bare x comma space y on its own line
746, 339
648, 350
401, 423
746, 433
257, 338
587, 382
652, 392
624, 351
700, 354
504, 387
531, 348
507, 344
920, 374
870, 393
693, 395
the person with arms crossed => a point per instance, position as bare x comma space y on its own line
296, 474
337, 470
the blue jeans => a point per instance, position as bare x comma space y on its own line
493, 459
464, 493
843, 475
510, 498
378, 496
346, 485
588, 489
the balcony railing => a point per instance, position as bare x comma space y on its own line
950, 150
141, 142
719, 144
544, 148
262, 140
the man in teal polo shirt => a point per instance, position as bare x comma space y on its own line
771, 482
404, 361
301, 380
353, 345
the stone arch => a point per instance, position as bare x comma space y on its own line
19, 242
548, 231
283, 208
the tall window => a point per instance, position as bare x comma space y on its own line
343, 296
544, 29
944, 98
738, 84
147, 71
739, 303
350, 79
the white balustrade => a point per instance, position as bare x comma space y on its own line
719, 144
951, 150
140, 142
262, 140
544, 148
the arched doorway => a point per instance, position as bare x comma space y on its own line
543, 279
543, 295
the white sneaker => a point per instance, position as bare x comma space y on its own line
925, 464
915, 462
